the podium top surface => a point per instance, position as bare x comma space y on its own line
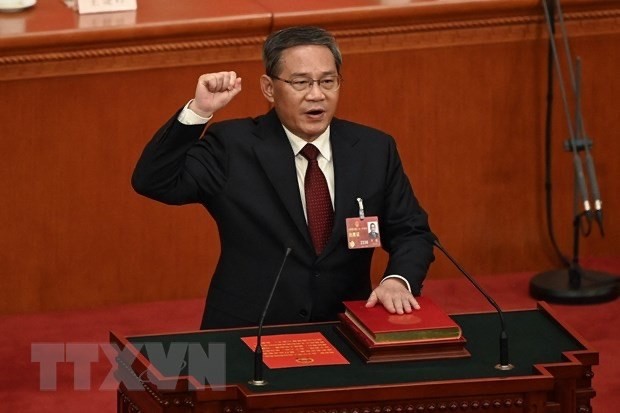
535, 338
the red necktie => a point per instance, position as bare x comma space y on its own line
318, 202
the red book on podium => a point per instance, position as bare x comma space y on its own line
430, 322
378, 335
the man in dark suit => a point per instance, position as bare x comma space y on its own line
267, 191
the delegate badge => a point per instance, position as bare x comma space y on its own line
363, 231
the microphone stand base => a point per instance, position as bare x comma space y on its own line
257, 382
566, 287
504, 367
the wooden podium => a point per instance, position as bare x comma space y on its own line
553, 372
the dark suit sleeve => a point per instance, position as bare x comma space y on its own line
178, 167
406, 233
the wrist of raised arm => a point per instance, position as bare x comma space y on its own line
189, 116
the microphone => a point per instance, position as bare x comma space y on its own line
573, 134
258, 351
581, 181
504, 360
587, 142
596, 193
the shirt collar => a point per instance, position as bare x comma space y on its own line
322, 143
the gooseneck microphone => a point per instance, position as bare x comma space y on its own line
504, 359
258, 351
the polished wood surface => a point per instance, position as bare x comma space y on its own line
460, 84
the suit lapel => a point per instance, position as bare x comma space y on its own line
276, 157
348, 164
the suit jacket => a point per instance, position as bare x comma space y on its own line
243, 172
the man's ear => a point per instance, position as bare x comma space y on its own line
266, 86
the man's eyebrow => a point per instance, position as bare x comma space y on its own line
306, 74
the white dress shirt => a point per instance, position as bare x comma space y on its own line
301, 163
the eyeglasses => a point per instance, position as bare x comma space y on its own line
301, 84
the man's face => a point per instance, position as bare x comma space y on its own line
306, 113
373, 227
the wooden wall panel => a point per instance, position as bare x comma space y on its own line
460, 85
74, 232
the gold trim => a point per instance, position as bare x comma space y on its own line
129, 50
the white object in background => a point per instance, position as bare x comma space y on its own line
103, 6
13, 25
16, 5
72, 4
100, 20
